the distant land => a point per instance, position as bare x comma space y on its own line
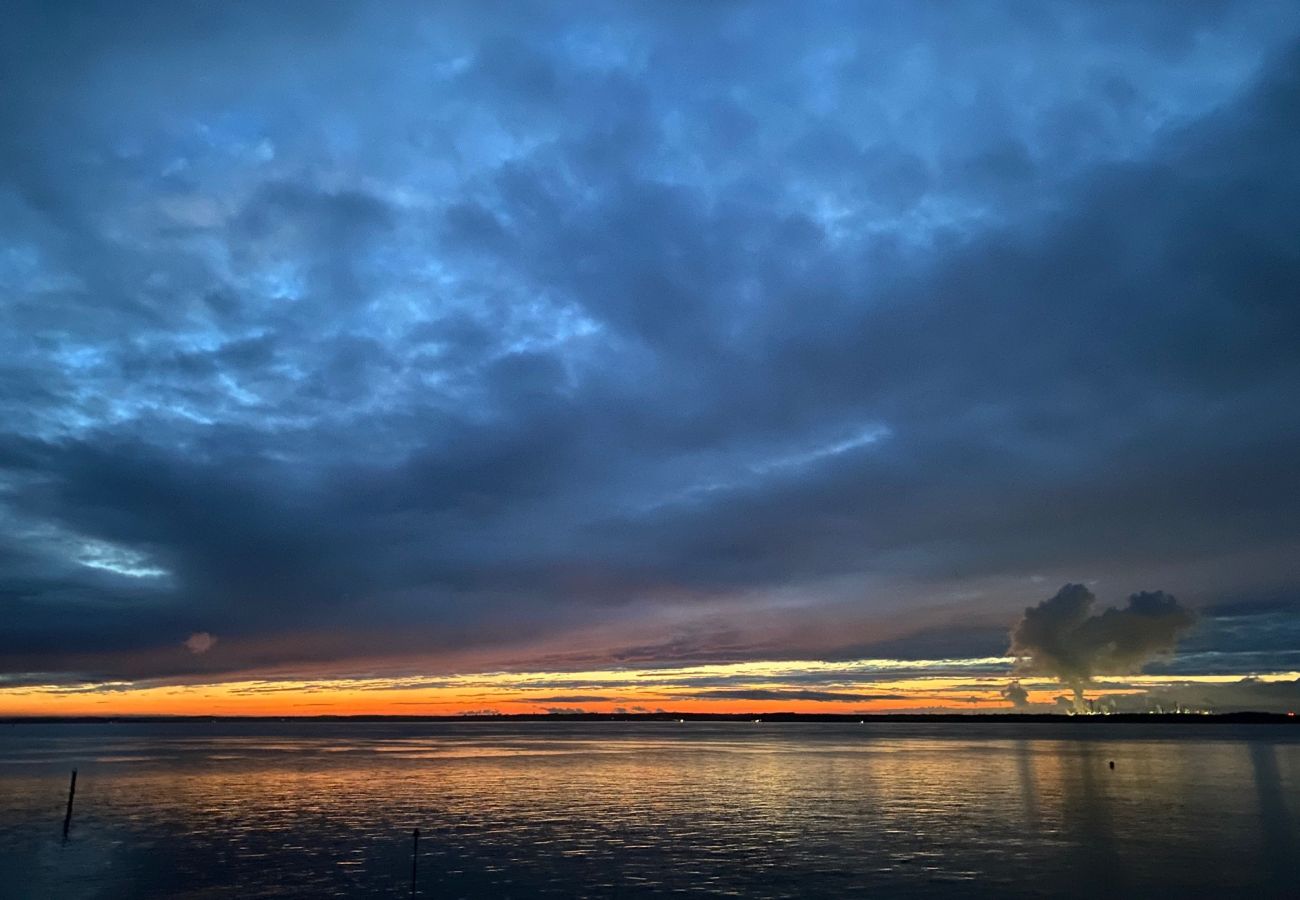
1232, 718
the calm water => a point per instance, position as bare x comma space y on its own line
632, 809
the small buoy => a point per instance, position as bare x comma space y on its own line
1112, 763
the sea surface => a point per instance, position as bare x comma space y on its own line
630, 809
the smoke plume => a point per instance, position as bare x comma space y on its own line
1016, 694
1060, 637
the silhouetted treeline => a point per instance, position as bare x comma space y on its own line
1253, 718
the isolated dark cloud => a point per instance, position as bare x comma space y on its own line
1062, 636
377, 332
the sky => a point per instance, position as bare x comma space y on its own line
701, 356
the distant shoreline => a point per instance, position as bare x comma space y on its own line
1236, 718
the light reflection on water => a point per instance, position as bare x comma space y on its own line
606, 809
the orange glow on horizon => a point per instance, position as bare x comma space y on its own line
864, 686
217, 700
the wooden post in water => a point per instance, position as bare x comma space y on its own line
67, 816
415, 857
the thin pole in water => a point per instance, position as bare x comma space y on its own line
415, 857
67, 817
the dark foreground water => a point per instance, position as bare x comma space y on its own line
632, 809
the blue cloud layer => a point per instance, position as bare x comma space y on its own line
342, 332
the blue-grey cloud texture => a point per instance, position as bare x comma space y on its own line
344, 332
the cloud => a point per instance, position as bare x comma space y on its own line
1061, 637
1249, 693
1016, 695
613, 326
199, 642
794, 694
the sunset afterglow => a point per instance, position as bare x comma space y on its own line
864, 686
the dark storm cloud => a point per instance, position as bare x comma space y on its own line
350, 333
